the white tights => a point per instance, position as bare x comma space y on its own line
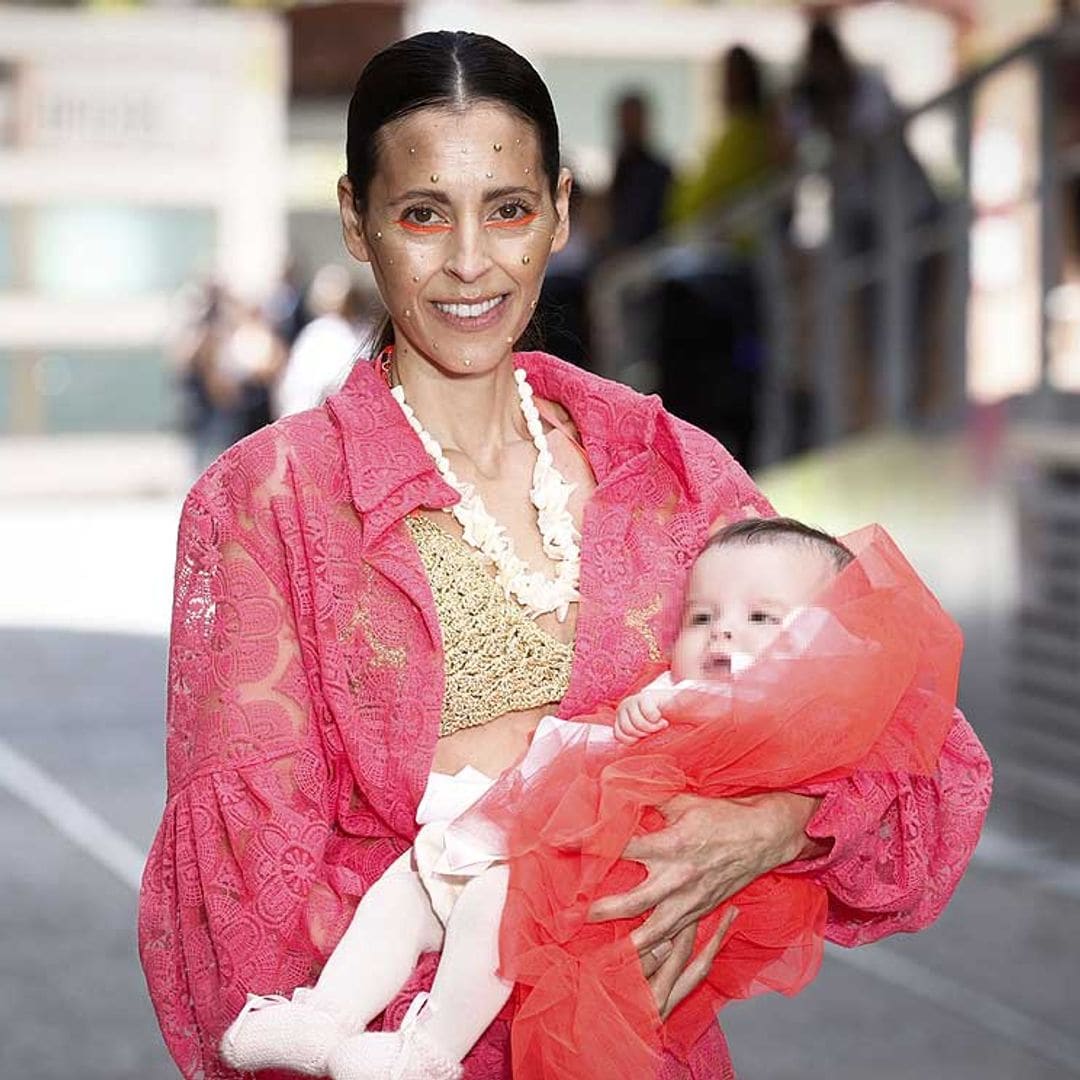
394, 923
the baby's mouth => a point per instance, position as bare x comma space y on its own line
718, 666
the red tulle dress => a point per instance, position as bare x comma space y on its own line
866, 678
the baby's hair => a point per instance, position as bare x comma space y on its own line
766, 530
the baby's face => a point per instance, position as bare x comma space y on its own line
737, 600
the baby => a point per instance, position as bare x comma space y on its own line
747, 583
745, 588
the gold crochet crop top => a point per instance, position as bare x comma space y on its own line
497, 659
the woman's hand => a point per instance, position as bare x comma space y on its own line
709, 850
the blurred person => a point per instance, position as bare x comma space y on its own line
195, 349
368, 597
847, 110
745, 150
251, 359
641, 181
286, 307
326, 348
843, 106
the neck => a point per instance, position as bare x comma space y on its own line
475, 415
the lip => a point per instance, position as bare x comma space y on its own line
480, 322
717, 667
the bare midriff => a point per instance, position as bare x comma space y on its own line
491, 748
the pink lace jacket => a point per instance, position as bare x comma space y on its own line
305, 685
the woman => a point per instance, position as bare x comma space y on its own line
743, 152
323, 662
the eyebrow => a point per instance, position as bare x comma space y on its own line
436, 196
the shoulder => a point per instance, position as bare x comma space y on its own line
617, 424
302, 449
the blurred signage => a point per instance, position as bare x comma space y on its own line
86, 107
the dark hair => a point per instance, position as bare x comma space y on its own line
743, 85
448, 69
767, 530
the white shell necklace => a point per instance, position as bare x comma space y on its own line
550, 495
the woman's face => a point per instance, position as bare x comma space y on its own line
458, 227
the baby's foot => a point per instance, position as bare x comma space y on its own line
274, 1032
408, 1054
371, 1055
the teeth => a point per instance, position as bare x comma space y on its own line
469, 311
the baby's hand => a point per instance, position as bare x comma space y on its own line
637, 716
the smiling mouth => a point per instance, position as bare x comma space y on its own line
475, 310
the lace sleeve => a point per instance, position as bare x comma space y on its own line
900, 844
244, 886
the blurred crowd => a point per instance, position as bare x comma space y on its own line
242, 365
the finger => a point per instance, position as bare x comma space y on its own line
635, 901
652, 958
698, 968
650, 710
642, 848
664, 922
665, 977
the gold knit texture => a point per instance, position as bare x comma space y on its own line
497, 660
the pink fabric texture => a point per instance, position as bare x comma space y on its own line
305, 685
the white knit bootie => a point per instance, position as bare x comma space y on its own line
408, 1054
283, 1033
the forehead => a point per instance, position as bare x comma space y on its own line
764, 565
443, 138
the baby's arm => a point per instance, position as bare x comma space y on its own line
640, 714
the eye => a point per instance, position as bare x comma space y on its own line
419, 215
765, 618
698, 618
514, 210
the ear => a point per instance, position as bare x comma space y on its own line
352, 224
562, 209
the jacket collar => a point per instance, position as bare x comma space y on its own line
391, 474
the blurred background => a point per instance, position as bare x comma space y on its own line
844, 238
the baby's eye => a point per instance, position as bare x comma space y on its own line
698, 618
765, 618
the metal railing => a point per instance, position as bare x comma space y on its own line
912, 283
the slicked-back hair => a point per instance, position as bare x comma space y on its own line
783, 530
448, 69
444, 69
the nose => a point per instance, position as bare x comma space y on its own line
721, 634
468, 259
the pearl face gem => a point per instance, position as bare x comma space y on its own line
467, 362
408, 313
498, 147
416, 278
434, 177
378, 236
526, 259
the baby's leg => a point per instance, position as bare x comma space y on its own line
467, 994
465, 998
393, 924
